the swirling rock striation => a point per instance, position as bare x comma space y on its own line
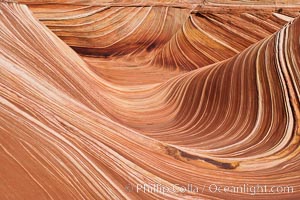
215, 101
151, 34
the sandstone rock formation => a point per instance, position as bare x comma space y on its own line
101, 97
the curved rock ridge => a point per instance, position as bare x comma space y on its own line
214, 29
115, 31
73, 128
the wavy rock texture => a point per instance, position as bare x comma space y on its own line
153, 35
162, 94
